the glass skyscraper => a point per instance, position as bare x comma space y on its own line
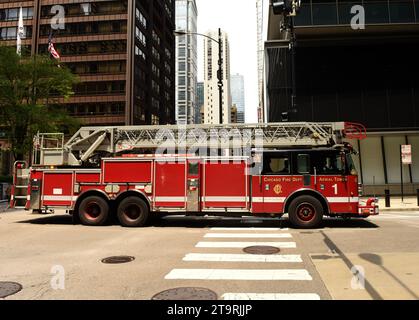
186, 61
237, 96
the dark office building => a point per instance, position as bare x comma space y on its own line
365, 75
199, 102
123, 52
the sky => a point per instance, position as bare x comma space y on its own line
238, 19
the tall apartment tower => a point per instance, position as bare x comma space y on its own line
211, 93
237, 96
122, 51
186, 61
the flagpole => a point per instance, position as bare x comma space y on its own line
20, 33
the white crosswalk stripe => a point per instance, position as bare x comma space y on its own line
270, 296
239, 274
249, 229
209, 244
219, 257
248, 235
244, 273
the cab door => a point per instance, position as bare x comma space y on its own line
193, 186
331, 180
276, 181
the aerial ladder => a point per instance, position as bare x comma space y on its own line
91, 143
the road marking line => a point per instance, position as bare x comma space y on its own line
248, 235
270, 296
245, 244
216, 257
239, 274
249, 229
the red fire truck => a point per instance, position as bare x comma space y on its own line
304, 170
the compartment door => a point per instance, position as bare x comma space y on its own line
193, 188
170, 185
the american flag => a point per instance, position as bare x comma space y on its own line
51, 48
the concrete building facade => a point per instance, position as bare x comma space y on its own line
211, 93
122, 51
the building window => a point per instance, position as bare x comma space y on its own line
10, 33
156, 38
139, 52
167, 67
167, 82
155, 70
155, 120
156, 54
140, 17
13, 14
168, 54
140, 36
155, 86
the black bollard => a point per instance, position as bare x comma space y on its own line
387, 194
417, 193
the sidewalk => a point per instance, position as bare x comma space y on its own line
3, 205
409, 204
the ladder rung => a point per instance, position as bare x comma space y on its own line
19, 207
21, 187
20, 197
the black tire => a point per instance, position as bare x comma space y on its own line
93, 211
133, 212
305, 212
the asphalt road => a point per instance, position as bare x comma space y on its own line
357, 259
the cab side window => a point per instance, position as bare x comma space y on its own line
277, 165
303, 164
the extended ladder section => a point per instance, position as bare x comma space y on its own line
91, 141
19, 193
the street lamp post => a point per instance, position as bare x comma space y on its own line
220, 62
220, 73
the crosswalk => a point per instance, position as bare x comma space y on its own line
222, 258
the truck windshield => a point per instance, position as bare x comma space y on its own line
331, 163
351, 165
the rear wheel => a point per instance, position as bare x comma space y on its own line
93, 211
305, 212
133, 212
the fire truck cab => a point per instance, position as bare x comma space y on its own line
305, 182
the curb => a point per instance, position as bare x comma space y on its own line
399, 209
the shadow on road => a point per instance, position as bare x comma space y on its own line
50, 219
205, 222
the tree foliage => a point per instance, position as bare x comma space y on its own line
30, 89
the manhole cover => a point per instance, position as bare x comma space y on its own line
261, 250
186, 294
118, 259
9, 288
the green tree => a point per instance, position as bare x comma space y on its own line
30, 89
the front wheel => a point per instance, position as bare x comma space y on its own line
305, 212
133, 212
